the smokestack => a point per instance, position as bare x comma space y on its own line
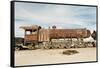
54, 27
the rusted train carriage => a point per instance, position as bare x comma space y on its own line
35, 35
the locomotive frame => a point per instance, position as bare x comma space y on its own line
38, 34
12, 63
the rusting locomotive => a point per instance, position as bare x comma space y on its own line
37, 37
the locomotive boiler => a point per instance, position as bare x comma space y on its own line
35, 35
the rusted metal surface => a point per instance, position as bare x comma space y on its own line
69, 33
43, 35
32, 37
30, 27
48, 34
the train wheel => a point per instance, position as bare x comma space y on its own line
93, 44
17, 48
56, 46
31, 47
46, 47
76, 46
65, 47
60, 46
50, 47
42, 47
68, 46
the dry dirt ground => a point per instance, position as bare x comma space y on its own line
52, 56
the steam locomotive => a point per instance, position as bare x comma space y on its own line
37, 37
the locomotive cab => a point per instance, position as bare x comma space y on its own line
31, 36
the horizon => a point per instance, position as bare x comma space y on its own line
62, 16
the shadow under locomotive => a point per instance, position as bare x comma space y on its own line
36, 37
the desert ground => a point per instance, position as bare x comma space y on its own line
53, 56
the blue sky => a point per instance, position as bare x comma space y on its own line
45, 15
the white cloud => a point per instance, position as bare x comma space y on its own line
60, 15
